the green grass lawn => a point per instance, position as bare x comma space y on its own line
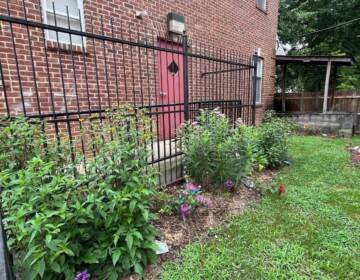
313, 232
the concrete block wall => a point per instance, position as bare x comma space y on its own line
343, 123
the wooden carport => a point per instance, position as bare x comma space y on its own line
331, 63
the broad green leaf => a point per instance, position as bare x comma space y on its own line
39, 267
55, 267
82, 221
129, 240
30, 252
90, 258
113, 275
138, 269
115, 256
132, 205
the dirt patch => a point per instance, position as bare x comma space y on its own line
355, 155
177, 233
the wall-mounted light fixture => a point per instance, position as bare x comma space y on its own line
176, 23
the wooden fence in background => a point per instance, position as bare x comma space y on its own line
341, 101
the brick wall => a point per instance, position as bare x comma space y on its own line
228, 24
233, 26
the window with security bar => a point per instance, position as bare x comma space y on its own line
65, 13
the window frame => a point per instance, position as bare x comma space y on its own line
259, 77
45, 10
264, 7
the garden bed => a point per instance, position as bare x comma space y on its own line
202, 222
101, 222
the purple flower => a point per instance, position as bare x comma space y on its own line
200, 198
205, 201
82, 275
184, 210
229, 185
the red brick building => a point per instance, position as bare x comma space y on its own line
241, 26
123, 52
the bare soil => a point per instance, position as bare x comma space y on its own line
355, 157
355, 154
177, 233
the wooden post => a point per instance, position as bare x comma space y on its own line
327, 84
333, 87
283, 88
302, 96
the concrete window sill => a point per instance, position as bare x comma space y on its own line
262, 10
65, 48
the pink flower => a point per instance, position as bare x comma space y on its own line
191, 187
195, 123
184, 210
205, 201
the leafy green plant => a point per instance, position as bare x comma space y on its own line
59, 222
20, 140
170, 204
273, 134
251, 136
214, 152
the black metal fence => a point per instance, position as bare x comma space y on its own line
63, 75
78, 74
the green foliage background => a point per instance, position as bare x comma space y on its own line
300, 17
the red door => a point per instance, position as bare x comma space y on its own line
171, 90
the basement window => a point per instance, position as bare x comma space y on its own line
261, 4
62, 8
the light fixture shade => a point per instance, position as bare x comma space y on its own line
176, 23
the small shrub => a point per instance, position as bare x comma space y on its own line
214, 152
59, 223
251, 135
273, 134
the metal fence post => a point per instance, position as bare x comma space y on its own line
186, 75
6, 263
255, 62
